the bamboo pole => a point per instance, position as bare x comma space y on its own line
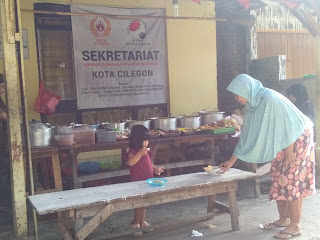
122, 16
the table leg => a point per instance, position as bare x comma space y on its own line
234, 212
56, 170
64, 226
210, 208
74, 169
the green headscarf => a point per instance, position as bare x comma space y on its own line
271, 121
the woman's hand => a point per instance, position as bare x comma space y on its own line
289, 156
158, 170
225, 166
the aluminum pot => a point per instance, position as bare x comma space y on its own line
145, 123
208, 117
164, 123
120, 126
40, 134
190, 121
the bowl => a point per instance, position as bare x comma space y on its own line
64, 140
157, 181
212, 171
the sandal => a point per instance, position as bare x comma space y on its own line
147, 227
286, 235
138, 233
273, 225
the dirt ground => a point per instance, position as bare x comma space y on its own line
252, 212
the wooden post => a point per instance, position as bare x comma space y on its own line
11, 69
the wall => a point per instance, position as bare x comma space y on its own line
191, 53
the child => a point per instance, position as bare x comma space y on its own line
141, 168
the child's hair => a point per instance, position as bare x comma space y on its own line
139, 133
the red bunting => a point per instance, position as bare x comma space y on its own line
197, 1
291, 5
245, 3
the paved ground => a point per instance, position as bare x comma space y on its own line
252, 212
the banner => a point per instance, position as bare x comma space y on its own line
119, 61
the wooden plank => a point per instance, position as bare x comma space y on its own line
234, 213
56, 170
95, 222
77, 198
64, 226
264, 169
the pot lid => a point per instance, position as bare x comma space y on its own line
39, 125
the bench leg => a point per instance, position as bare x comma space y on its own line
234, 212
64, 226
210, 208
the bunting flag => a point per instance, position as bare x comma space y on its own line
245, 3
292, 5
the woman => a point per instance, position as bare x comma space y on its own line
298, 95
275, 130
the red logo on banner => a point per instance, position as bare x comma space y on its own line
100, 27
137, 29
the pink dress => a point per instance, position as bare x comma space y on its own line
143, 169
296, 182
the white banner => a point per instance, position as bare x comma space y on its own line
119, 62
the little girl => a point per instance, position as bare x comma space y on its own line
141, 168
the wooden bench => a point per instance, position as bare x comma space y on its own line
98, 203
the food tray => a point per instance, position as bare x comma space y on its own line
154, 135
219, 130
187, 133
170, 134
157, 181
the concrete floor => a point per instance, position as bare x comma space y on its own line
252, 212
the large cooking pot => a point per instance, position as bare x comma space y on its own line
190, 121
40, 134
120, 126
164, 123
208, 117
132, 123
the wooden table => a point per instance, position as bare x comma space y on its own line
96, 204
154, 143
53, 153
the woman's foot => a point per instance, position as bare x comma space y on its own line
136, 226
145, 224
276, 224
293, 230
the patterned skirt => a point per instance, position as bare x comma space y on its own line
294, 182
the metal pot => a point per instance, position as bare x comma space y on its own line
208, 117
120, 126
164, 123
40, 134
190, 121
145, 123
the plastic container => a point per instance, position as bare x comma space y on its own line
83, 135
89, 167
64, 140
105, 136
110, 165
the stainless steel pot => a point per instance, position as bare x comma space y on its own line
120, 126
190, 121
40, 134
164, 123
208, 117
145, 123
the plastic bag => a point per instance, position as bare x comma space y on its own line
47, 101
